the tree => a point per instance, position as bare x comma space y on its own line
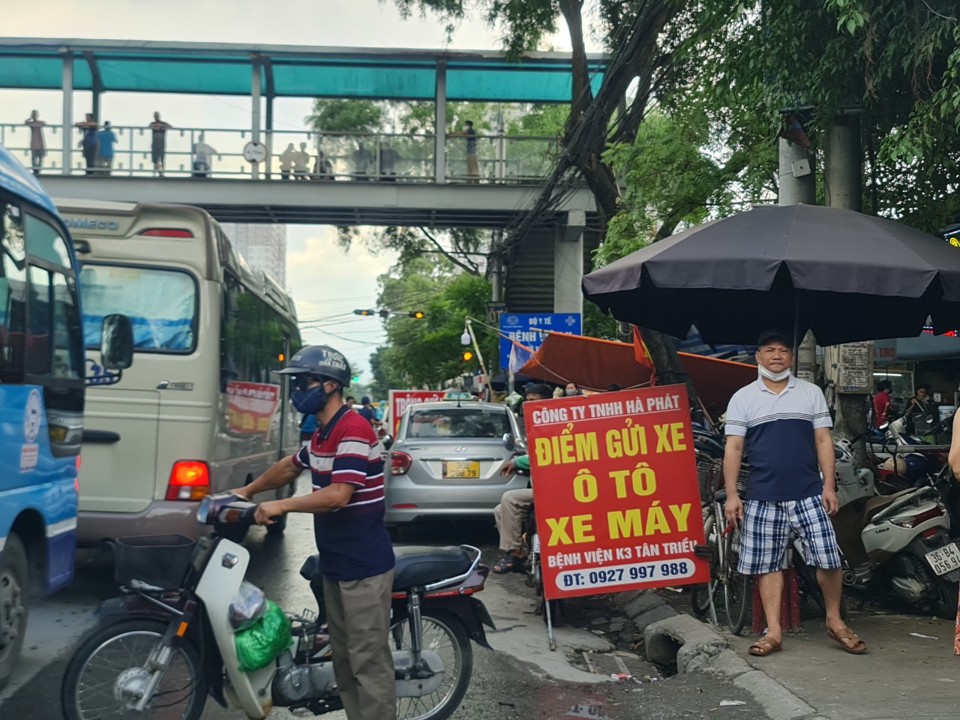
346, 116
428, 351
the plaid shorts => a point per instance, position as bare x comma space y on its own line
766, 533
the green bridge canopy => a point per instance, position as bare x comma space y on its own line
288, 71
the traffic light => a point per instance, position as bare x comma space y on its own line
467, 355
417, 314
365, 313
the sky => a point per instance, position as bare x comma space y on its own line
325, 282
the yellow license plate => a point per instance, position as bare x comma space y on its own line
461, 469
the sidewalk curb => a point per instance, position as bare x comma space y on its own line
693, 646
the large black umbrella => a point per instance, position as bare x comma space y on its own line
844, 275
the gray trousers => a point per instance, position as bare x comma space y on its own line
358, 614
509, 517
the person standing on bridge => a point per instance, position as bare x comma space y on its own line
158, 145
202, 158
37, 146
105, 142
473, 162
89, 142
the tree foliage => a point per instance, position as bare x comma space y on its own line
428, 352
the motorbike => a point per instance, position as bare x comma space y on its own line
898, 469
169, 640
550, 610
898, 544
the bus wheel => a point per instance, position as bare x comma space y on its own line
13, 604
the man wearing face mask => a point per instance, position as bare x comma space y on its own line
784, 424
347, 504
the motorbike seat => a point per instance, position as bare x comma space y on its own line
418, 565
720, 495
878, 503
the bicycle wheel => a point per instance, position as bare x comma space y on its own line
737, 588
700, 594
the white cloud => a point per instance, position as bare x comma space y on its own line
328, 285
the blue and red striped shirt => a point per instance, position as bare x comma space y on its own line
352, 541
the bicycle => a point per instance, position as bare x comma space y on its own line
722, 551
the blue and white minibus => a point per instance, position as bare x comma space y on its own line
42, 380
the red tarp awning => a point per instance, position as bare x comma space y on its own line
594, 364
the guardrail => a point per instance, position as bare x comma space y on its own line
293, 155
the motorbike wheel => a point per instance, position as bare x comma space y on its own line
110, 660
443, 633
947, 603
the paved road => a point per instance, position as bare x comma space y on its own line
521, 678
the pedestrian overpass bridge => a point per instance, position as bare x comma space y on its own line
261, 174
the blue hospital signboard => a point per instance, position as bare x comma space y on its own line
530, 329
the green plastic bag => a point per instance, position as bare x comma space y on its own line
260, 643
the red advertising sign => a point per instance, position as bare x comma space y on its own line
251, 407
399, 399
615, 490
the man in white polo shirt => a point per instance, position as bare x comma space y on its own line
784, 423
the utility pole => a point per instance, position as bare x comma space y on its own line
797, 183
850, 367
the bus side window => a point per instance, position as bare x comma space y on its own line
13, 289
54, 320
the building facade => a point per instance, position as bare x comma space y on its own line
264, 247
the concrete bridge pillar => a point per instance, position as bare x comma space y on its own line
568, 264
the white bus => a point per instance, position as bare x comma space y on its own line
202, 410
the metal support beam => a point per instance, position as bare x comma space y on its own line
67, 138
97, 85
270, 93
440, 124
255, 114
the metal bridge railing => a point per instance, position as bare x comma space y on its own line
383, 157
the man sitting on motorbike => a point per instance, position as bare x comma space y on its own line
508, 515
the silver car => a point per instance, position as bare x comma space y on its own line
446, 460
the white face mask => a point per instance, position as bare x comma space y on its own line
772, 376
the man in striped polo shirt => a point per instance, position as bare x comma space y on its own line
347, 503
785, 425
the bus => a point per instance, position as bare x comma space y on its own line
202, 409
42, 387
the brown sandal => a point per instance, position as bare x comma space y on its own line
765, 646
848, 640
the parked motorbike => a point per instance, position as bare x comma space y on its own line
534, 569
167, 643
898, 470
898, 544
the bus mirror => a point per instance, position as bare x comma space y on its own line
116, 344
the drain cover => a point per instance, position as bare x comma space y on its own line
618, 664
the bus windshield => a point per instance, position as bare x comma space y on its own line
161, 305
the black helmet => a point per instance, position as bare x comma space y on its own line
320, 360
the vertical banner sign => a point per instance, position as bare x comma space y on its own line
399, 399
615, 489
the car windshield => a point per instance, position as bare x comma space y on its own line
458, 422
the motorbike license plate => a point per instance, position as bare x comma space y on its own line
945, 559
461, 469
